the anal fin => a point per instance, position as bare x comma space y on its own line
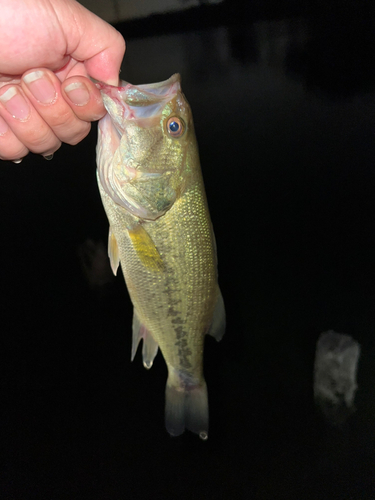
217, 328
150, 347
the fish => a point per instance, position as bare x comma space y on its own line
160, 231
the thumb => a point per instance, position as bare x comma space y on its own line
95, 43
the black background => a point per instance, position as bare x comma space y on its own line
283, 100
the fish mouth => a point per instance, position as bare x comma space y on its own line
143, 103
157, 89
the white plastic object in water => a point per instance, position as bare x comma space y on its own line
335, 373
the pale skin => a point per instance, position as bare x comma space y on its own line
48, 51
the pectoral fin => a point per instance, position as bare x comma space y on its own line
146, 249
150, 347
217, 328
113, 252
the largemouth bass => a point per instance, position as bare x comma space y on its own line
152, 190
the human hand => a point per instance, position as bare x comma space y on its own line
48, 49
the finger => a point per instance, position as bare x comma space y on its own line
43, 90
25, 122
9, 79
75, 91
11, 148
97, 43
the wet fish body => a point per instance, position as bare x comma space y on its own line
152, 190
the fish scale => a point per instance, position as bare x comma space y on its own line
168, 257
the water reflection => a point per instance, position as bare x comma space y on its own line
289, 175
329, 55
94, 260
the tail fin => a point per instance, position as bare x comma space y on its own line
186, 407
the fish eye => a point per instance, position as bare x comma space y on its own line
175, 126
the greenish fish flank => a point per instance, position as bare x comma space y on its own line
151, 185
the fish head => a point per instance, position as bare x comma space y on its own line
143, 145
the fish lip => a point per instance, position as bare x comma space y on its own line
175, 78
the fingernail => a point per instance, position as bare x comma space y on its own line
77, 93
41, 87
17, 161
3, 126
15, 103
48, 157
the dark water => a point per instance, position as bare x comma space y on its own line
284, 114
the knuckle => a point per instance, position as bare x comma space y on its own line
120, 42
42, 140
69, 128
61, 120
51, 149
79, 134
14, 153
